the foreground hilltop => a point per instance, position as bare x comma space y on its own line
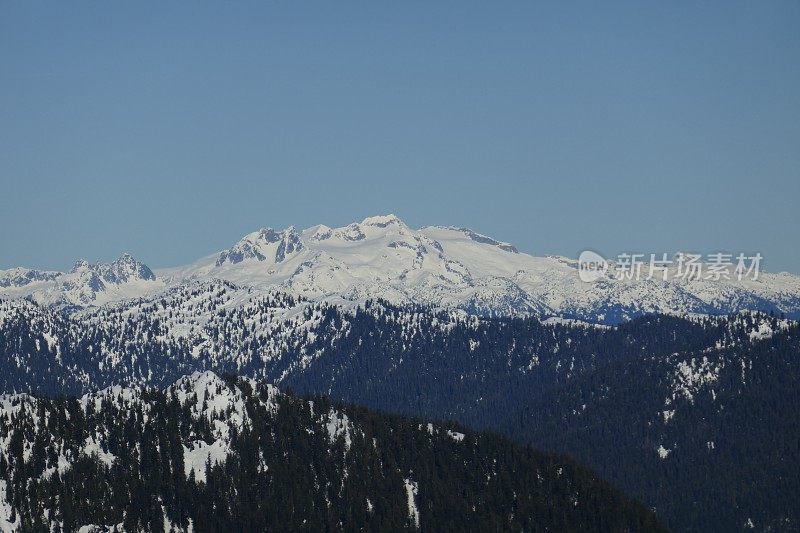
381, 257
212, 454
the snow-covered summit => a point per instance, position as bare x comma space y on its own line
124, 269
263, 245
382, 221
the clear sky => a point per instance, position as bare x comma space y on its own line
170, 129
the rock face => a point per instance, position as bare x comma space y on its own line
381, 257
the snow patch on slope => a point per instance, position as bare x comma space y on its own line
412, 489
690, 376
6, 524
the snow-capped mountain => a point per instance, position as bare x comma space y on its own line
381, 257
85, 285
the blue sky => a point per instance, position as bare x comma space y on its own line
171, 130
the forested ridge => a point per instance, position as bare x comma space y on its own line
694, 416
209, 454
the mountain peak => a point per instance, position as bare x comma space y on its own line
261, 245
80, 264
125, 268
382, 221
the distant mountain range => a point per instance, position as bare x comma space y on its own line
86, 285
381, 257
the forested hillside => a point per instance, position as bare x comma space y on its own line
693, 416
233, 455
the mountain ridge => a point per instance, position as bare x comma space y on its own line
381, 257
